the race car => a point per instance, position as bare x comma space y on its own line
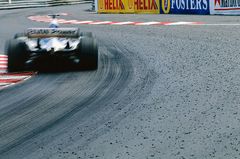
41, 48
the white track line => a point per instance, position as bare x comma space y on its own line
3, 66
3, 84
122, 23
148, 23
68, 21
71, 21
83, 22
6, 77
180, 23
99, 23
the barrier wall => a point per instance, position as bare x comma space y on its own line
128, 6
154, 6
202, 7
227, 7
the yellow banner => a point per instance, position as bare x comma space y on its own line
146, 6
115, 6
128, 6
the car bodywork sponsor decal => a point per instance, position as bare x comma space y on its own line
52, 32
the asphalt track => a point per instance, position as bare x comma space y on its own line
160, 92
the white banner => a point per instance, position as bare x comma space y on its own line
227, 7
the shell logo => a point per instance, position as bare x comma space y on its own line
166, 5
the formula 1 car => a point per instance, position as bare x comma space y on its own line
38, 48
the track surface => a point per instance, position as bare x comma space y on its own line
160, 92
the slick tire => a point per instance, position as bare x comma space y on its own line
17, 55
86, 34
88, 54
18, 35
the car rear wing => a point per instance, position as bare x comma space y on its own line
52, 32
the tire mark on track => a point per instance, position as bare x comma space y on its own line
122, 107
93, 93
112, 110
40, 117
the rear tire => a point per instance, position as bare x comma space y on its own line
18, 35
88, 54
17, 55
86, 34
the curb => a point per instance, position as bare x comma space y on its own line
46, 19
10, 79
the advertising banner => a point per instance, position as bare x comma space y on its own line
146, 6
115, 6
128, 6
231, 7
185, 6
